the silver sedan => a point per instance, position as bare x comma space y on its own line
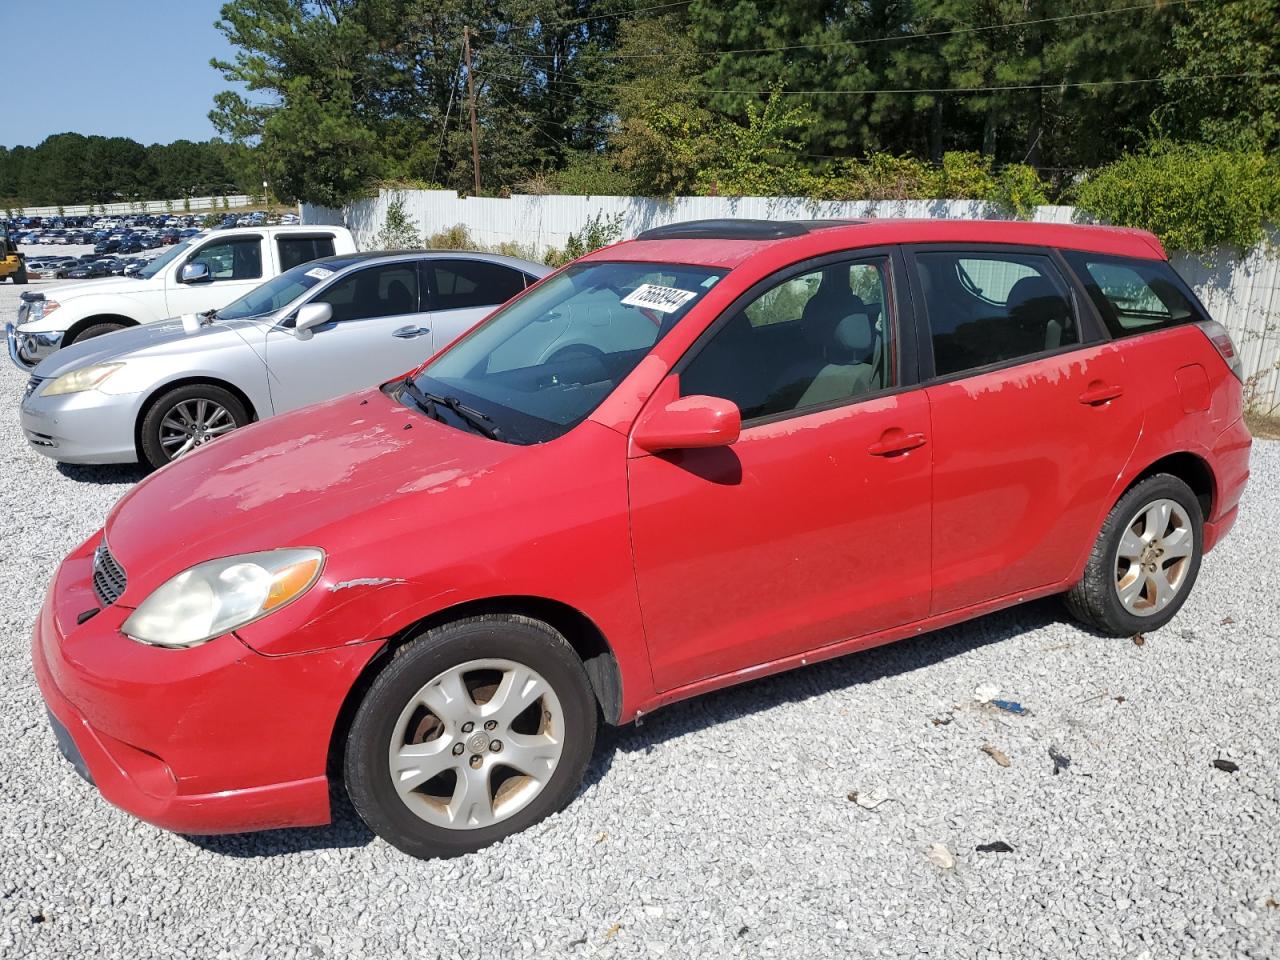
327, 327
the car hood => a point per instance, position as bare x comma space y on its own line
301, 479
112, 285
163, 339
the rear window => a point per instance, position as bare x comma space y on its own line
458, 284
1135, 296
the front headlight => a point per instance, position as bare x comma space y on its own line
40, 309
215, 597
77, 381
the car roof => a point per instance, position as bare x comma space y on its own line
343, 260
727, 244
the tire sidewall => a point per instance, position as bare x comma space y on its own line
1159, 487
366, 762
98, 330
153, 454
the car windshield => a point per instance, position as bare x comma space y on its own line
539, 366
277, 292
160, 262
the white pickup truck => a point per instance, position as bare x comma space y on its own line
204, 272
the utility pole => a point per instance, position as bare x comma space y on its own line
471, 95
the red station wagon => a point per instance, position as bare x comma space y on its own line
718, 451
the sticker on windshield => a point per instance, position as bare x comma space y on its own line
650, 296
320, 273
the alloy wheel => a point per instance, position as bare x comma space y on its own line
476, 744
193, 423
1154, 557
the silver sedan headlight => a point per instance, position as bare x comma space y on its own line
218, 596
77, 381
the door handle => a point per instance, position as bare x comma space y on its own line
408, 333
1100, 393
894, 441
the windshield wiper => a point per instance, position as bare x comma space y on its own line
481, 422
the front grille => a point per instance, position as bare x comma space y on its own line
32, 384
109, 579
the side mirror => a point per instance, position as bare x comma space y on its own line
312, 315
689, 423
194, 273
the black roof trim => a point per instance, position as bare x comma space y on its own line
730, 229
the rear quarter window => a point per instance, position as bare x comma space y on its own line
302, 249
1135, 296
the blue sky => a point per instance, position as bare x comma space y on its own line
129, 68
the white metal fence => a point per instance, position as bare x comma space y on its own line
182, 205
1239, 291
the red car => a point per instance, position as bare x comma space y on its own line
719, 451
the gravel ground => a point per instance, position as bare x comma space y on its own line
723, 827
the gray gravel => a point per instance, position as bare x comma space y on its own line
723, 827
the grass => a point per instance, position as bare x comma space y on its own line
1263, 425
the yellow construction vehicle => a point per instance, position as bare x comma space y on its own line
12, 263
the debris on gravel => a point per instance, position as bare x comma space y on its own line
940, 856
996, 846
995, 754
729, 811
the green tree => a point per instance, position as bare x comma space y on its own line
1227, 37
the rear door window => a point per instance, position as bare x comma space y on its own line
301, 249
987, 308
458, 284
1134, 296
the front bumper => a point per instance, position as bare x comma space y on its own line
214, 739
86, 427
26, 350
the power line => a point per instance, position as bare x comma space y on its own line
905, 90
891, 38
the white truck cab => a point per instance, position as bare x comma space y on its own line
204, 272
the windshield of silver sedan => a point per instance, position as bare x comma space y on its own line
539, 366
280, 291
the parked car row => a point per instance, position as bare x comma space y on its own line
678, 463
162, 228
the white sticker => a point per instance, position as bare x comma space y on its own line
650, 296
320, 273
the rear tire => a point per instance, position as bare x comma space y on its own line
1145, 561
519, 685
208, 411
20, 277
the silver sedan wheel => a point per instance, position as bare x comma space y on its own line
476, 744
1154, 557
193, 423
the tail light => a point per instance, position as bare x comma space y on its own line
1221, 341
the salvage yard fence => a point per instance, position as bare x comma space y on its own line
1239, 290
127, 207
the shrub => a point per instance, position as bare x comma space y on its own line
456, 237
599, 231
1018, 190
964, 175
1192, 196
398, 232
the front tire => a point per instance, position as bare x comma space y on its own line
415, 765
97, 330
186, 418
1145, 560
